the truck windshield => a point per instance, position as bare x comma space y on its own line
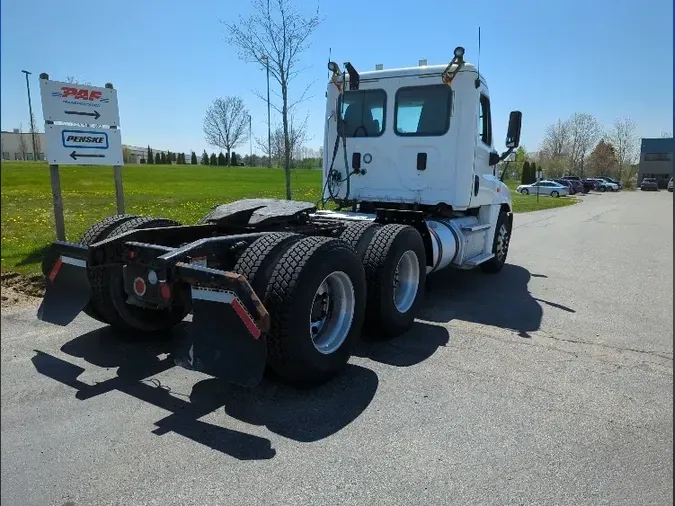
363, 112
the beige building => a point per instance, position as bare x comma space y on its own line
19, 146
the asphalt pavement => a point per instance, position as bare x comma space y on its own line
549, 383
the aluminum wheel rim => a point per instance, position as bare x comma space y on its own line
502, 242
406, 281
332, 312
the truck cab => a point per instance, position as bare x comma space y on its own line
410, 137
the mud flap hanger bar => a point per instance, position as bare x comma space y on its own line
171, 266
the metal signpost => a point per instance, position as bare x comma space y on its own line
97, 143
538, 181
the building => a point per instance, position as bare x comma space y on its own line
19, 146
656, 160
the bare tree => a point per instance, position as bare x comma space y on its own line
625, 142
557, 139
666, 134
274, 38
36, 138
226, 123
585, 131
23, 147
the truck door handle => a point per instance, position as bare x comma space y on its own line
476, 185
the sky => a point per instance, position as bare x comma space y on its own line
169, 60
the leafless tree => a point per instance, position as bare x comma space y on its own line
625, 142
557, 138
297, 133
23, 146
274, 38
585, 131
36, 137
666, 134
226, 123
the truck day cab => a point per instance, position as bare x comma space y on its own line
410, 168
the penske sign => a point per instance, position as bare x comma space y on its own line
83, 146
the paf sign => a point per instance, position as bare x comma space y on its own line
78, 103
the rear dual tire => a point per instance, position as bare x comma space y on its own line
314, 289
108, 297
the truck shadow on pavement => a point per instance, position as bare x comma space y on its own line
501, 300
300, 415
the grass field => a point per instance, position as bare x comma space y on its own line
184, 193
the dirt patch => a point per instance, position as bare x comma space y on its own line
18, 289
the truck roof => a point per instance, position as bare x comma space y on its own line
411, 71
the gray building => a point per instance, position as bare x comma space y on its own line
656, 160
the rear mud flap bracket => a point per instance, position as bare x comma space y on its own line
67, 291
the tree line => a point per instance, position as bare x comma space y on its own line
582, 146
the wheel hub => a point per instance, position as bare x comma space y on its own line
406, 281
502, 242
332, 312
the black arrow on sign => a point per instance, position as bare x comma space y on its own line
75, 155
95, 114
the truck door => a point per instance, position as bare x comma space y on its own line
483, 148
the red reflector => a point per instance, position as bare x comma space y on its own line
55, 269
165, 291
246, 319
132, 254
139, 286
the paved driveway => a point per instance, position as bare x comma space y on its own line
550, 383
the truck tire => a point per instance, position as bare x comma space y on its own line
395, 265
316, 300
109, 298
358, 235
258, 260
500, 245
96, 233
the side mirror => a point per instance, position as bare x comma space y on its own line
513, 133
494, 159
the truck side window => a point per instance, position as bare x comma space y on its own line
363, 112
485, 121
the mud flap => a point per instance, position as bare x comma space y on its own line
67, 291
223, 340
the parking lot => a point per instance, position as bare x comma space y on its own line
550, 383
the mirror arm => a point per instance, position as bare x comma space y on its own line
501, 158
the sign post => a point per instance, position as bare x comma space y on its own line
538, 181
94, 139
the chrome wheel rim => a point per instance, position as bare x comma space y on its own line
332, 312
406, 281
502, 243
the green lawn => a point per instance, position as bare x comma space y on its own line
184, 193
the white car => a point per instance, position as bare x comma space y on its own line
550, 188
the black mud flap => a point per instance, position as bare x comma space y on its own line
223, 340
67, 291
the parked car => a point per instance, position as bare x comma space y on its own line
591, 183
649, 184
567, 184
586, 187
670, 185
608, 184
612, 180
550, 188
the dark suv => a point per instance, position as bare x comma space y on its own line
585, 187
568, 184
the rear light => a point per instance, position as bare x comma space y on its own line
140, 287
164, 291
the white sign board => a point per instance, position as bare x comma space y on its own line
74, 145
77, 103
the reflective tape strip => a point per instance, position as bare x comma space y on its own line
74, 261
231, 299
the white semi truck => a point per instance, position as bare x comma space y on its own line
410, 182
